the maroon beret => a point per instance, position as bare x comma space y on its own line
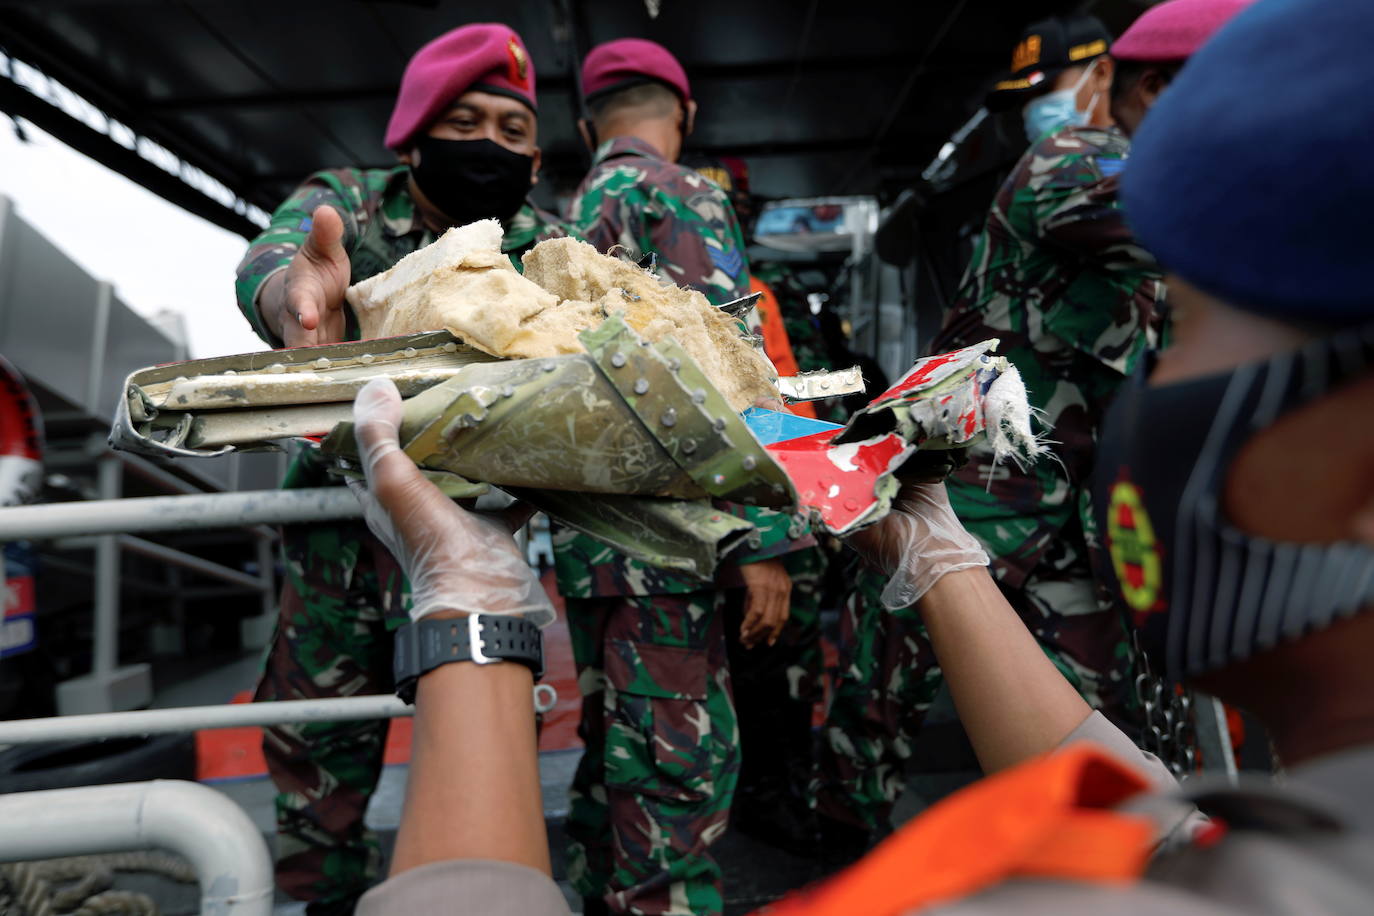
626, 61
487, 53
1173, 30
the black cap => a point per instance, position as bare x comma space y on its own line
1046, 49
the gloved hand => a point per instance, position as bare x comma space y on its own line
454, 559
918, 541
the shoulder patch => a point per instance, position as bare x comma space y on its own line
731, 262
1110, 167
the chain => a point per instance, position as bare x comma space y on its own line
1168, 715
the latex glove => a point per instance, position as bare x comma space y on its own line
767, 601
918, 541
455, 559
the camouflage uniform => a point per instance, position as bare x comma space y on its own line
343, 593
653, 789
1058, 277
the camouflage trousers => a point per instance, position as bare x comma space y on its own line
888, 678
342, 596
652, 792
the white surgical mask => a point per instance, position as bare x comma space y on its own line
1058, 109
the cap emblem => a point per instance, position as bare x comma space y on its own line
1026, 54
519, 69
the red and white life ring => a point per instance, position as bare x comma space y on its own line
21, 439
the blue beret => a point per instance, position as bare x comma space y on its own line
1253, 175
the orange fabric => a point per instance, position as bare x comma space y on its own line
1048, 818
775, 342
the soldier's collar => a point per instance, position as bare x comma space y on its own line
394, 224
625, 146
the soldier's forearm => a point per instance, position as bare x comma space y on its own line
473, 791
1013, 702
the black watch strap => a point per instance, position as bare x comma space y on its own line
480, 638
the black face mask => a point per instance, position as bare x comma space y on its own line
1203, 593
470, 180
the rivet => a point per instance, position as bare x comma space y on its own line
669, 417
824, 385
230, 372
641, 385
617, 359
689, 446
366, 358
699, 396
548, 366
718, 424
274, 369
749, 462
851, 504
507, 391
322, 363
408, 352
675, 364
450, 347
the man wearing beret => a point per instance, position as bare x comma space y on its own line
1058, 277
464, 129
653, 789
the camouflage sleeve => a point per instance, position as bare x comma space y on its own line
273, 249
613, 211
775, 533
1113, 308
1075, 204
703, 244
692, 231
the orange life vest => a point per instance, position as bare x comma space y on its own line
775, 342
1051, 817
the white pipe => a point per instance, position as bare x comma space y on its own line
177, 513
233, 715
215, 835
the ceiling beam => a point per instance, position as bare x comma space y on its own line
19, 102
553, 83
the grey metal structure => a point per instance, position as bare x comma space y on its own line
205, 827
75, 342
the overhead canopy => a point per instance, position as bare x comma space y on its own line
820, 96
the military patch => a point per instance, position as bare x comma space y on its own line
1111, 167
1026, 54
1134, 548
731, 262
1091, 49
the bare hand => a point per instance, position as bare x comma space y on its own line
767, 601
310, 301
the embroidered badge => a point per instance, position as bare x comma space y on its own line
1134, 549
519, 69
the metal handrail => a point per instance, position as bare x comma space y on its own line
233, 715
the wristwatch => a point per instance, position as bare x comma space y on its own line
479, 638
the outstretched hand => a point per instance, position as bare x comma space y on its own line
456, 560
917, 542
310, 308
